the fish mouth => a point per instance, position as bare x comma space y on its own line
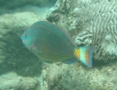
23, 39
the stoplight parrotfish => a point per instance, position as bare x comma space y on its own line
52, 44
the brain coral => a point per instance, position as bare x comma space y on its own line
90, 22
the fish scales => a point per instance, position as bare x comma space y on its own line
52, 44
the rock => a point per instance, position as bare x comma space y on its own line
77, 77
13, 54
90, 23
18, 83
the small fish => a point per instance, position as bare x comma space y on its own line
52, 44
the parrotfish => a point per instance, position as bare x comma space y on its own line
52, 44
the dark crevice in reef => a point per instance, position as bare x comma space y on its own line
102, 63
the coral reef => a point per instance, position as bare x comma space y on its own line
77, 77
90, 22
11, 28
18, 83
14, 57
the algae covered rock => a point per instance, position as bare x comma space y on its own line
90, 22
13, 54
18, 83
77, 77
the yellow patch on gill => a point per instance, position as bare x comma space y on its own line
77, 53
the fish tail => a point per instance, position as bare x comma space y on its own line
84, 54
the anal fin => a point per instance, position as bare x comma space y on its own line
70, 61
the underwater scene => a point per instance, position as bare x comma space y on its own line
58, 44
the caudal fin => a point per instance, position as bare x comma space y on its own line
85, 55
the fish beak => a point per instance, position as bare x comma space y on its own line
23, 39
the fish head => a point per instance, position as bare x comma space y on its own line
28, 38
